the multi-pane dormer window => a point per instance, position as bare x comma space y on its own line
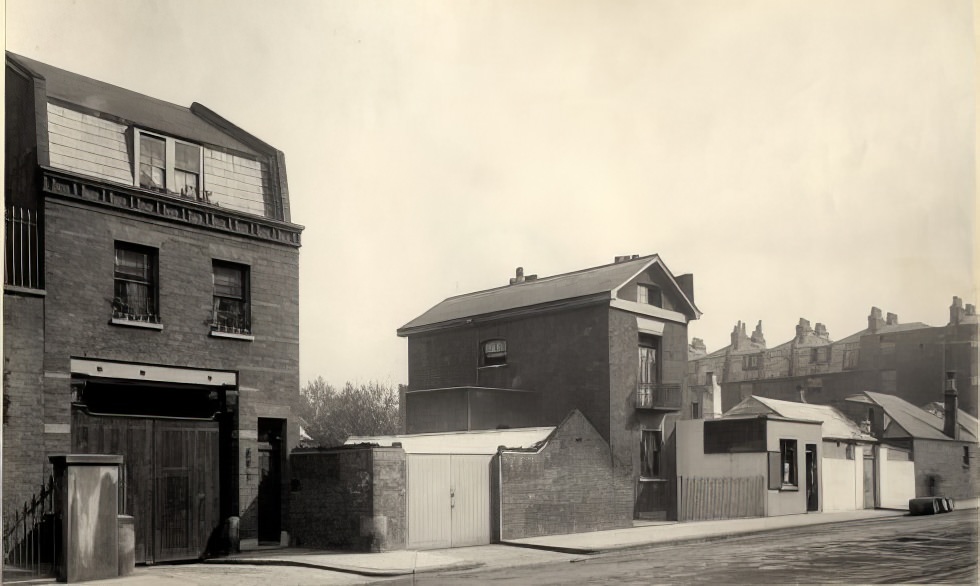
169, 165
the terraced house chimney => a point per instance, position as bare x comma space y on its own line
950, 406
874, 320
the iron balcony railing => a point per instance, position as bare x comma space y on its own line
22, 249
661, 396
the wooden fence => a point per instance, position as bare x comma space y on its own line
702, 499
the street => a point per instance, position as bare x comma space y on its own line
935, 549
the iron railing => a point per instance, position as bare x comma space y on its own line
23, 253
661, 396
30, 536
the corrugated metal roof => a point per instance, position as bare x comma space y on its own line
460, 442
917, 422
584, 283
835, 424
144, 111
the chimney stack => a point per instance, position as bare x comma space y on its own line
891, 319
620, 259
803, 330
950, 407
874, 320
821, 331
757, 336
956, 311
519, 278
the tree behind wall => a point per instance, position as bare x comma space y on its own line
363, 409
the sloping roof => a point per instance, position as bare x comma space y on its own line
596, 281
938, 409
916, 422
882, 330
835, 424
460, 442
145, 111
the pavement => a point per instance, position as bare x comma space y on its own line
404, 562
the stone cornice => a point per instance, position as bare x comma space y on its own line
69, 186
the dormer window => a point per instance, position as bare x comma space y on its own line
649, 295
169, 165
494, 352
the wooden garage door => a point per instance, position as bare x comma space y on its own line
448, 500
170, 474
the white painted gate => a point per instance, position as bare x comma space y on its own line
448, 500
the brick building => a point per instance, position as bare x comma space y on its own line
609, 341
150, 306
906, 360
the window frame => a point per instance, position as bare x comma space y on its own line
655, 470
789, 477
151, 318
223, 330
645, 295
815, 355
751, 361
499, 357
170, 163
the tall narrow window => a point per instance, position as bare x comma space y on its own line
135, 284
187, 169
153, 162
787, 458
696, 410
650, 444
647, 375
231, 311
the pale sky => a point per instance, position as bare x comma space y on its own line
802, 159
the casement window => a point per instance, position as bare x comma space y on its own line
751, 362
231, 298
494, 353
135, 287
651, 442
648, 373
649, 295
169, 165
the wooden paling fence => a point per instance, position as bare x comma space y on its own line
702, 499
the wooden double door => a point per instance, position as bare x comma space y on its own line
448, 500
170, 477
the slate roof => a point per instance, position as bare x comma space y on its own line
917, 423
460, 442
595, 281
855, 337
836, 425
144, 111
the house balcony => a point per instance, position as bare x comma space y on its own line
659, 396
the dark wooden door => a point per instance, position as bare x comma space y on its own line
270, 488
812, 486
170, 474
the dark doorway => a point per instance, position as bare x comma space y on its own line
869, 481
812, 485
271, 435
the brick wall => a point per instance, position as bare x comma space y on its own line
79, 256
351, 498
570, 486
23, 426
944, 461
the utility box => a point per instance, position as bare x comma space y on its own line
87, 503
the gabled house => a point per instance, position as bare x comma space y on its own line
150, 307
944, 449
609, 341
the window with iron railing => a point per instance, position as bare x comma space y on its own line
135, 284
231, 303
22, 262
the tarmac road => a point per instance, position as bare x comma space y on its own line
933, 549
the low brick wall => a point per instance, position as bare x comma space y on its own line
572, 485
348, 498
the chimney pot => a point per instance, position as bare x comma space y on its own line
519, 278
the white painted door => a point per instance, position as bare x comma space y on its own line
448, 500
470, 492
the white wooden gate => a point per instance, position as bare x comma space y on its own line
448, 500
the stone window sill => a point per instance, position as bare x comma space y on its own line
24, 290
232, 336
136, 324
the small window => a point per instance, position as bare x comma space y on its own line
187, 169
849, 451
750, 362
135, 284
649, 295
787, 459
494, 352
650, 445
966, 455
231, 304
819, 355
153, 162
851, 359
696, 410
